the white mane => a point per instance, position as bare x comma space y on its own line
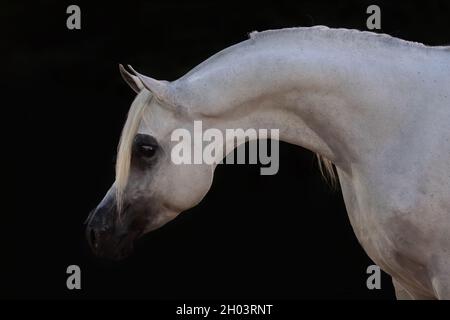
341, 34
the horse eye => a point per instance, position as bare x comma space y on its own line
144, 146
147, 151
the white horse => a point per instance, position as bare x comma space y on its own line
376, 107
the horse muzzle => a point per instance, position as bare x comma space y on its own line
107, 238
109, 235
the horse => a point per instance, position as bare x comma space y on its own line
375, 108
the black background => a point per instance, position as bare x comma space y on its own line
254, 237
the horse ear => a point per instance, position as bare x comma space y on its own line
159, 88
134, 82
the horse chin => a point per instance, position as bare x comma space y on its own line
125, 246
120, 254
